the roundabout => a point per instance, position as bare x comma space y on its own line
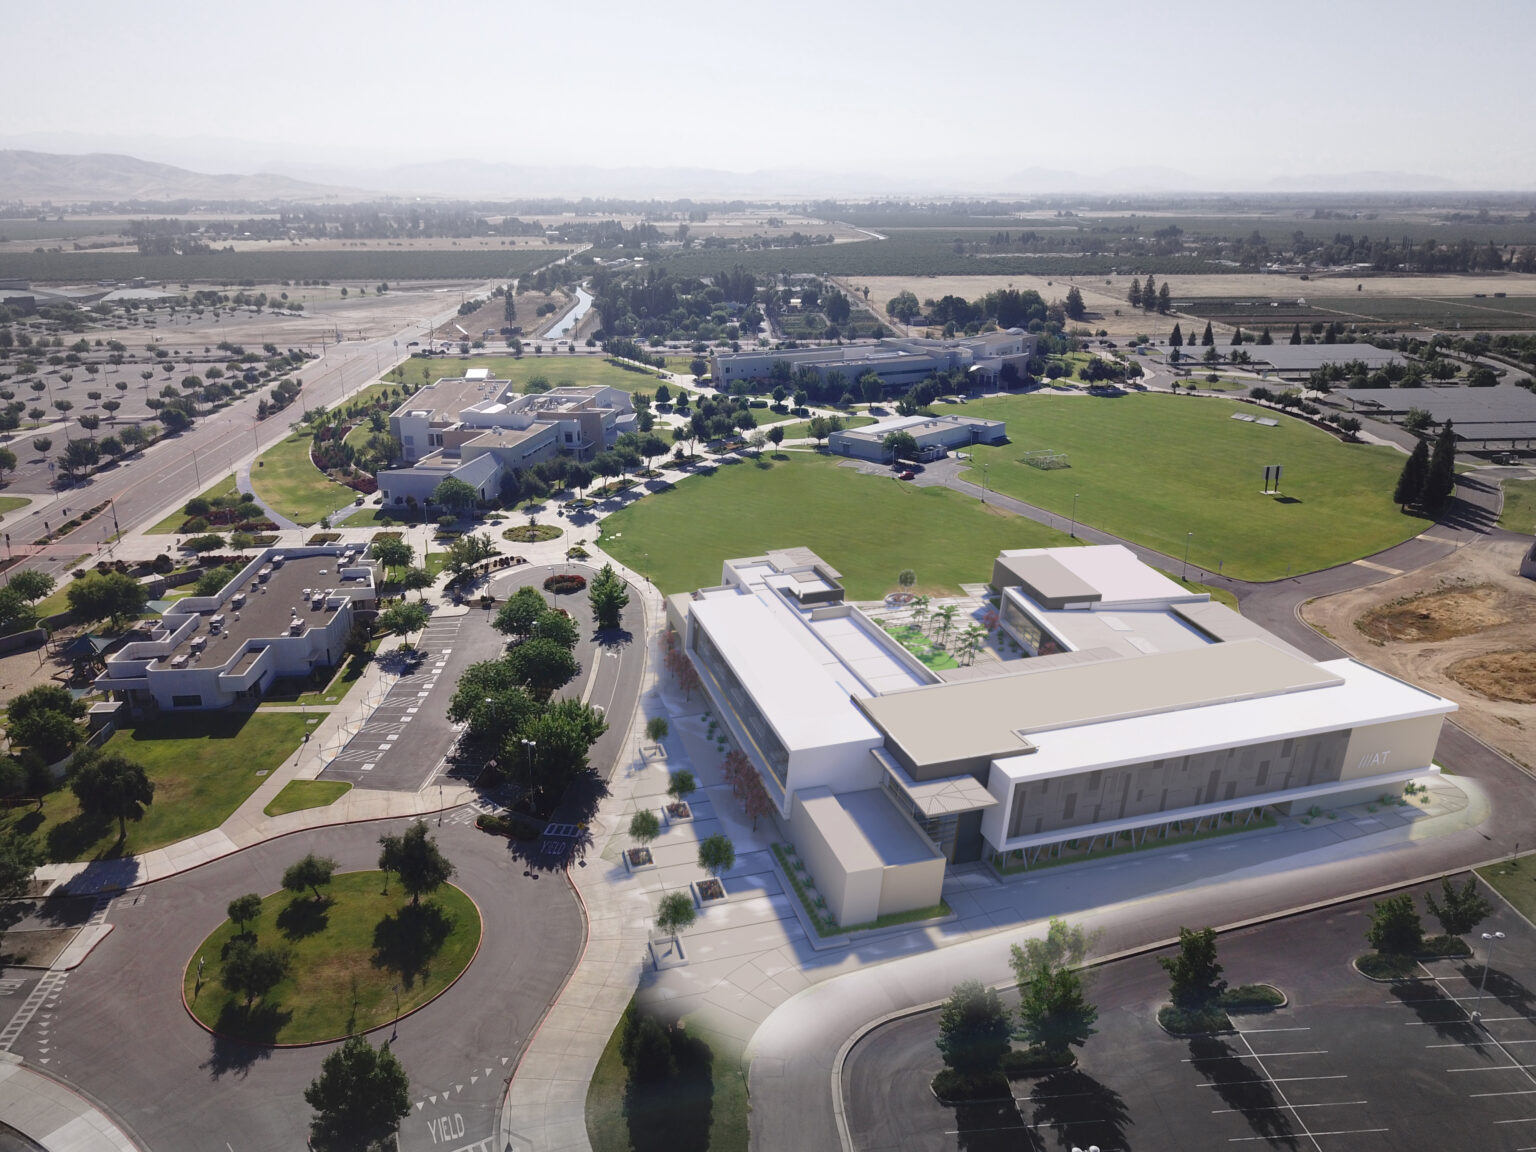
358, 958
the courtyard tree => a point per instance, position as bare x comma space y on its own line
974, 1032
674, 913
415, 579
682, 785
871, 387
717, 854
776, 435
404, 618
467, 551
44, 720
901, 445
656, 729
543, 666
243, 909
944, 622
1459, 910
905, 579
112, 596
608, 597
392, 552
516, 617
359, 1098
250, 971
456, 495
309, 872
111, 786
644, 826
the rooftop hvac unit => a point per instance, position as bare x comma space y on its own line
179, 661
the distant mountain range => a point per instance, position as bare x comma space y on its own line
33, 175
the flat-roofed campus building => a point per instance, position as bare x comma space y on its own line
934, 435
1138, 703
900, 362
285, 614
476, 428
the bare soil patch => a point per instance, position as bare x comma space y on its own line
35, 948
1499, 675
1437, 615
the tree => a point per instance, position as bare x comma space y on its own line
776, 434
645, 826
414, 857
455, 494
1207, 338
560, 737
415, 579
1176, 337
1440, 480
1237, 336
608, 597
359, 1098
1064, 945
944, 620
489, 698
1395, 927
243, 909
19, 858
1265, 337
717, 854
1133, 297
110, 785
467, 551
113, 596
674, 913
1295, 333
43, 719
901, 445
974, 1031
556, 626
682, 785
404, 618
310, 872
1164, 299
543, 666
7, 461
392, 552
903, 306
1463, 910
1149, 295
1054, 1013
1194, 975
906, 578
516, 617
656, 729
1074, 304
250, 971
1410, 481
819, 428
871, 387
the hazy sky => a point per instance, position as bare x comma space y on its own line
1234, 94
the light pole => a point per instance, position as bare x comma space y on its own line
1188, 536
1072, 532
530, 745
1493, 938
985, 488
395, 1030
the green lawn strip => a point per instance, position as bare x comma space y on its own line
203, 764
868, 527
912, 638
298, 795
225, 487
822, 918
802, 430
575, 371
11, 503
341, 980
335, 690
1154, 468
289, 483
727, 1105
1519, 514
1515, 880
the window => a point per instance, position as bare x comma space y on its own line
186, 701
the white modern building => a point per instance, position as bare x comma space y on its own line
900, 362
286, 613
935, 436
476, 428
1137, 703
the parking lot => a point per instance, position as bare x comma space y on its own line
1347, 1064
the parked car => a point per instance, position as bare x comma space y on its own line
909, 475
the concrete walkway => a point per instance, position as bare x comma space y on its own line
52, 1115
243, 483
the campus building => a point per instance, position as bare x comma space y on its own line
1120, 702
935, 436
900, 362
287, 613
476, 428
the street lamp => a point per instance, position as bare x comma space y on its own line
1493, 938
1188, 536
984, 487
530, 745
395, 1030
1072, 532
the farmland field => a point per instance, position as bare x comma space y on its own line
1163, 471
559, 371
268, 267
868, 527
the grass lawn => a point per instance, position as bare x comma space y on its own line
726, 1106
11, 503
288, 481
1516, 882
557, 370
867, 527
348, 950
225, 487
1151, 468
1519, 514
802, 430
203, 765
913, 639
298, 795
282, 694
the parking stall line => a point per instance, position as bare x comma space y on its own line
1468, 1044
1486, 1020
1519, 1092
1527, 1120
1287, 1107
1494, 1068
1283, 1079
1257, 1031
1313, 1135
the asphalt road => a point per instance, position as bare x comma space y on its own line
119, 1030
1347, 1064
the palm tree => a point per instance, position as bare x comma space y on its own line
944, 618
919, 611
971, 641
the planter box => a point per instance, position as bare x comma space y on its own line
667, 952
678, 812
707, 892
646, 859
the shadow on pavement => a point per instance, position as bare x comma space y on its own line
1243, 1089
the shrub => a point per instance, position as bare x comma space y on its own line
950, 1085
565, 582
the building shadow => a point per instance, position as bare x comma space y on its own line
1243, 1089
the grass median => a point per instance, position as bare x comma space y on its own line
288, 482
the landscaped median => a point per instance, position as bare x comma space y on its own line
358, 958
288, 482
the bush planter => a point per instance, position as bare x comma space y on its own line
707, 892
1387, 968
677, 812
1020, 1062
949, 1087
638, 859
1183, 1022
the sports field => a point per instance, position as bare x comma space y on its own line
867, 527
1154, 468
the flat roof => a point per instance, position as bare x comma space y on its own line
1044, 578
1305, 357
1114, 572
947, 795
448, 397
1501, 404
863, 829
996, 716
801, 695
1359, 695
870, 661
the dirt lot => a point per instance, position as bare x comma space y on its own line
1464, 627
1105, 294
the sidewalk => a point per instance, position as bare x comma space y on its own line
52, 1115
